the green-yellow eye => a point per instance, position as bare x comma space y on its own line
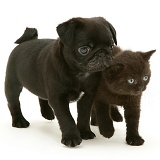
130, 81
145, 78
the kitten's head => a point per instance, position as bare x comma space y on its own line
130, 72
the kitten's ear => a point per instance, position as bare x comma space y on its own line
116, 50
146, 56
115, 69
67, 29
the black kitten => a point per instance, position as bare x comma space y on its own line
122, 84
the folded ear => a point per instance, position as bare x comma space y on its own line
67, 29
113, 31
146, 55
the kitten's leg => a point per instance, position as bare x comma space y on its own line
132, 114
12, 91
46, 110
115, 114
93, 117
105, 123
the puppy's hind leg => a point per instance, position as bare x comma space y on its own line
12, 91
46, 110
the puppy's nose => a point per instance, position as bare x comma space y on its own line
102, 54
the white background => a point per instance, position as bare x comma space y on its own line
138, 28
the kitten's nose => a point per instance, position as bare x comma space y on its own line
140, 89
138, 92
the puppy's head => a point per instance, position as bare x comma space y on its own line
87, 43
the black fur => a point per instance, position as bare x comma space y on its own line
122, 84
57, 71
29, 33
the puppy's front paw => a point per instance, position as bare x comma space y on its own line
87, 135
71, 140
20, 123
107, 131
135, 140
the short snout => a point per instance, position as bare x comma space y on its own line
104, 57
100, 61
103, 54
138, 90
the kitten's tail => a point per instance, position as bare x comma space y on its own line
29, 33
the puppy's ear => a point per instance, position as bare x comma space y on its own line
113, 31
67, 29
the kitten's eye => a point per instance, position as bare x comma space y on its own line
131, 81
84, 50
145, 78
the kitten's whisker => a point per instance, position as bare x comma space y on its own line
151, 97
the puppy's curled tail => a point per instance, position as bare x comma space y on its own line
29, 33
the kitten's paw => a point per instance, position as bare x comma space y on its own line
94, 122
20, 123
71, 140
135, 141
107, 131
116, 116
87, 135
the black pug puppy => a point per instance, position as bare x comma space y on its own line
57, 71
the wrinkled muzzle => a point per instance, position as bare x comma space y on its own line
99, 62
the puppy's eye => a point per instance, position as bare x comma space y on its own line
145, 78
84, 50
130, 81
